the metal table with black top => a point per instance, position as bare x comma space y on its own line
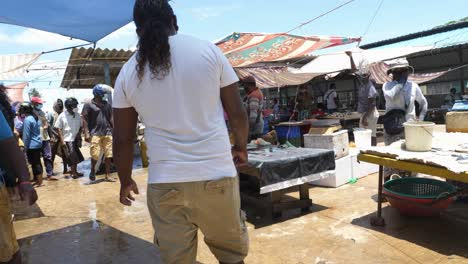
273, 172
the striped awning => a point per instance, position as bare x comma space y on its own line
379, 73
13, 66
15, 91
243, 49
274, 77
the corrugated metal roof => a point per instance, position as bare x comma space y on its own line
86, 66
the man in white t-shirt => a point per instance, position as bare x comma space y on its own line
178, 85
331, 99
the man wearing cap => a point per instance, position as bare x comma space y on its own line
401, 94
367, 95
253, 102
37, 103
98, 123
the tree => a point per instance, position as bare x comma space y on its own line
34, 93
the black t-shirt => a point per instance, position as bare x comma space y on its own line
98, 118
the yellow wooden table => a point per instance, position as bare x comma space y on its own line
411, 166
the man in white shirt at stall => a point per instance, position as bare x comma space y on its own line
331, 99
401, 94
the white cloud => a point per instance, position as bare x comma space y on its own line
38, 38
124, 32
203, 13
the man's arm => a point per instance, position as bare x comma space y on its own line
391, 93
84, 118
123, 137
238, 121
353, 65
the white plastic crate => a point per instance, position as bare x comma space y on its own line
342, 174
338, 142
361, 169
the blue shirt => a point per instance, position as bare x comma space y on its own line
32, 133
5, 130
5, 133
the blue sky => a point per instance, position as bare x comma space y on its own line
213, 19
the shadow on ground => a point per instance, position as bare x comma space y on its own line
437, 233
87, 243
261, 218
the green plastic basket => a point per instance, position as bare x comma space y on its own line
421, 188
419, 196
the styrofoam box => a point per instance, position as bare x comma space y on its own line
361, 169
338, 142
341, 175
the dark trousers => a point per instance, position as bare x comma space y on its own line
34, 158
47, 157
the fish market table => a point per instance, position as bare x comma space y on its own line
272, 172
437, 163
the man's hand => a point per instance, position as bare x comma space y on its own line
240, 156
126, 190
27, 193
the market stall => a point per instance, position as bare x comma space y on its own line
447, 159
273, 171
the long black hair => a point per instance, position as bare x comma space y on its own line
5, 106
155, 22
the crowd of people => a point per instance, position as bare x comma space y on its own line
44, 135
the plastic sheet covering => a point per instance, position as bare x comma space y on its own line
284, 168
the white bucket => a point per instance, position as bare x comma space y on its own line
418, 135
363, 138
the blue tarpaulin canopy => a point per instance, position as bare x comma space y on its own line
85, 20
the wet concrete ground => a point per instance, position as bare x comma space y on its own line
74, 222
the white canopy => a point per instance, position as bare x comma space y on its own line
13, 66
336, 62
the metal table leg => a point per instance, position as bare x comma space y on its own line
378, 220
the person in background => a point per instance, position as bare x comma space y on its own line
452, 97
37, 104
68, 125
32, 141
13, 158
304, 101
179, 86
54, 137
98, 123
318, 112
276, 109
253, 102
401, 95
367, 95
331, 99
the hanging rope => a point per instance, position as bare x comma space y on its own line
322, 15
371, 22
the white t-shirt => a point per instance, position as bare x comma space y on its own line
402, 97
69, 124
185, 131
330, 96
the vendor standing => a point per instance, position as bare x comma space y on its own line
304, 101
452, 97
367, 95
331, 99
400, 97
253, 102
